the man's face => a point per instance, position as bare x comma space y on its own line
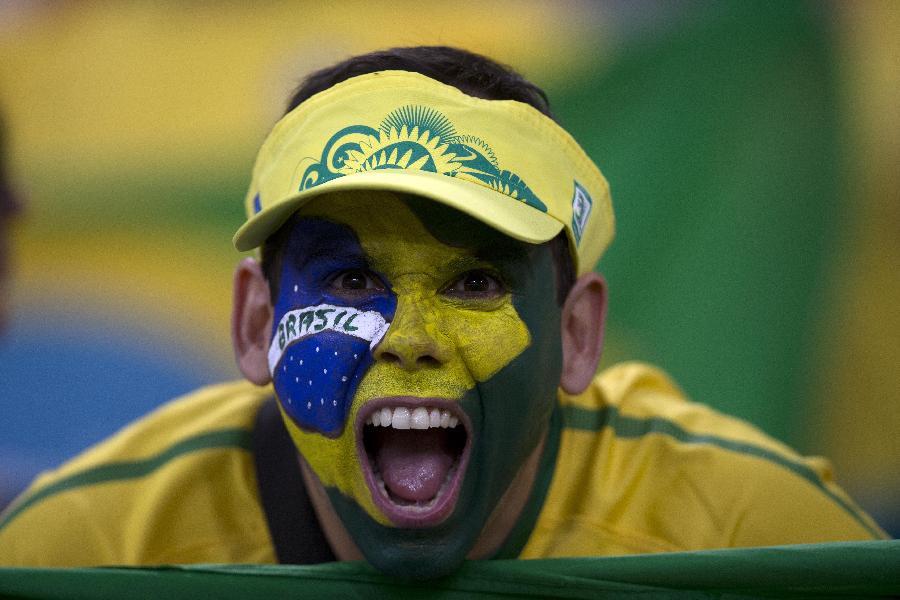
416, 355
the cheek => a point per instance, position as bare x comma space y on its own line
488, 341
335, 463
317, 357
316, 378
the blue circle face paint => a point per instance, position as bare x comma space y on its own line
322, 339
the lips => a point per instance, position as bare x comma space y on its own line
414, 453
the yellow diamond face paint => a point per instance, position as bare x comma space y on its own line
441, 407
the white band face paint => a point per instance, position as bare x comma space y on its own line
301, 323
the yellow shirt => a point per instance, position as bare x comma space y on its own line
638, 469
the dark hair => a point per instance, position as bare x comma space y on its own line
471, 73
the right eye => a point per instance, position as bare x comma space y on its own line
356, 280
476, 284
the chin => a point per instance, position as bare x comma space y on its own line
410, 553
415, 455
435, 478
418, 563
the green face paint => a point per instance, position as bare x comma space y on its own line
476, 334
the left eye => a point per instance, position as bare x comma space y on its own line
355, 280
476, 283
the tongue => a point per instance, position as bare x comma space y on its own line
413, 463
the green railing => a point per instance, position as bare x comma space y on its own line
838, 570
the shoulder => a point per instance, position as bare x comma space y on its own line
145, 491
654, 471
635, 400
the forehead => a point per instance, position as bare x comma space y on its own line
390, 227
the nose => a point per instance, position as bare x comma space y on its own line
413, 341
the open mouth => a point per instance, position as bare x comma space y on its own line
414, 453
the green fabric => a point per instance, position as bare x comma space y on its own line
720, 139
839, 570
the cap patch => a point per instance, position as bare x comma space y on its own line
417, 138
581, 210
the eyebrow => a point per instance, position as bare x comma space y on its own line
498, 257
319, 246
465, 263
504, 253
320, 251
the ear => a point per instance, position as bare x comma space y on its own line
583, 319
251, 321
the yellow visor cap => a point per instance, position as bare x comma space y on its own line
499, 161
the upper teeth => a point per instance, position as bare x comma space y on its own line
420, 417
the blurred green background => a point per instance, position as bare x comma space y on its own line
752, 149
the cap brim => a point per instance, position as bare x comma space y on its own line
507, 215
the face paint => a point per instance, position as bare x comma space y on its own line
322, 339
415, 501
308, 336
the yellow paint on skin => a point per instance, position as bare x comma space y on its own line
470, 340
